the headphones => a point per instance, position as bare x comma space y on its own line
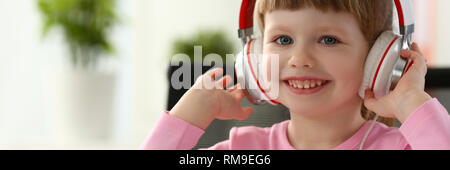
383, 68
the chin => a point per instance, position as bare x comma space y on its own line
315, 105
300, 103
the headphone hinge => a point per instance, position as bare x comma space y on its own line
245, 34
406, 33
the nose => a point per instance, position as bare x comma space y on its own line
301, 57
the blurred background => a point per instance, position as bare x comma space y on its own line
93, 74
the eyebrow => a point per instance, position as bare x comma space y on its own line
321, 28
326, 28
278, 28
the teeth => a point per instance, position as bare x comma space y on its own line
307, 84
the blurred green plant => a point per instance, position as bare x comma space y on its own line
211, 42
85, 24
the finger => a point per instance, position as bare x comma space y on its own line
249, 111
369, 100
209, 78
246, 112
414, 56
238, 95
406, 55
417, 60
248, 96
214, 73
416, 53
224, 82
233, 88
251, 99
415, 47
368, 95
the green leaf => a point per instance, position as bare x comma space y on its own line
211, 41
85, 23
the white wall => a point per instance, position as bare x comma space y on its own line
22, 56
143, 43
443, 34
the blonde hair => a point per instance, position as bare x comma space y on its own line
374, 17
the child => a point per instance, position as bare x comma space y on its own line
327, 43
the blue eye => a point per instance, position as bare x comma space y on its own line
284, 40
327, 40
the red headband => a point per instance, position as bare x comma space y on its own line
404, 11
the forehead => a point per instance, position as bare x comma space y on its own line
311, 18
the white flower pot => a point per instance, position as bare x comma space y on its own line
81, 105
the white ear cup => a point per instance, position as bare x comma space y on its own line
249, 72
380, 64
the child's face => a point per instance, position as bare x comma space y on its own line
315, 45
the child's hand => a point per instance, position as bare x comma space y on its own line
208, 100
409, 93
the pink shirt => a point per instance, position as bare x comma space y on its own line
428, 127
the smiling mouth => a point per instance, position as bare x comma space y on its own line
306, 84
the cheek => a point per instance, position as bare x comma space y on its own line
346, 73
273, 62
270, 66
